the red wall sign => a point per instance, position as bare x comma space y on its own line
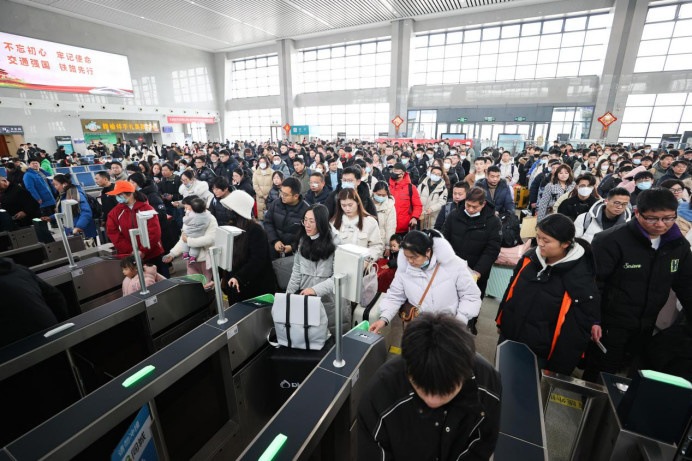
177, 119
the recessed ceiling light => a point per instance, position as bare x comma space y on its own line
141, 17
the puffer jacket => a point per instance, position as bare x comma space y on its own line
272, 196
198, 188
84, 219
262, 184
282, 222
386, 219
588, 224
433, 197
551, 308
453, 291
131, 285
504, 196
121, 219
392, 418
205, 174
203, 242
367, 237
407, 202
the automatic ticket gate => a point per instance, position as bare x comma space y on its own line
204, 396
91, 283
12, 240
49, 371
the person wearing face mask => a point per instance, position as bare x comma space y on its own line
421, 160
450, 171
406, 199
552, 299
474, 231
411, 168
189, 185
678, 170
278, 164
353, 225
459, 191
366, 176
614, 179
642, 180
604, 214
262, 184
386, 213
275, 192
317, 193
351, 179
432, 278
538, 168
580, 199
433, 192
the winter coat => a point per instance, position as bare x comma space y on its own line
203, 243
304, 179
393, 420
364, 194
131, 285
636, 279
475, 240
432, 197
453, 291
551, 193
29, 304
205, 174
609, 182
246, 186
282, 222
262, 184
572, 207
220, 212
407, 202
328, 179
658, 172
318, 275
509, 170
413, 173
121, 219
588, 224
671, 175
272, 196
386, 220
194, 224
551, 308
171, 186
40, 188
198, 188
84, 219
367, 237
321, 197
282, 167
445, 211
15, 199
226, 169
45, 166
504, 195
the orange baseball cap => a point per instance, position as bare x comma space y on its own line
121, 187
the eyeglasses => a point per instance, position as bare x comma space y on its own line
283, 194
676, 190
619, 204
654, 220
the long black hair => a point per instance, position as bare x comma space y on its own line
241, 243
323, 246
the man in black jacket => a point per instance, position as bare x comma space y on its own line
18, 204
318, 193
228, 164
459, 191
221, 190
169, 188
637, 265
452, 411
411, 168
108, 202
203, 172
351, 179
284, 217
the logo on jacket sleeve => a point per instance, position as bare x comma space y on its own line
632, 266
674, 265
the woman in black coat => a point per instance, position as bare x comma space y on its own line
552, 300
252, 274
582, 197
474, 231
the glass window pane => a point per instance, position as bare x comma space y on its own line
650, 64
685, 11
531, 28
527, 57
682, 28
570, 54
671, 99
529, 43
508, 45
491, 33
663, 13
575, 23
658, 30
525, 72
511, 31
667, 114
572, 39
455, 37
472, 35
641, 100
680, 45
657, 130
437, 39
653, 47
470, 49
550, 27
550, 41
352, 50
367, 48
636, 114
598, 21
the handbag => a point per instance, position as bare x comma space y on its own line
369, 285
408, 311
300, 321
283, 267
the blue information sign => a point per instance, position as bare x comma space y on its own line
137, 444
300, 130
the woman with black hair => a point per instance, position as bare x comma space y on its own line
432, 278
81, 212
252, 274
313, 266
552, 300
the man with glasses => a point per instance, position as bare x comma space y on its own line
637, 265
604, 214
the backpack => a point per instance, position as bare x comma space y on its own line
510, 230
95, 206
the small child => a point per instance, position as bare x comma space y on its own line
195, 223
394, 245
131, 281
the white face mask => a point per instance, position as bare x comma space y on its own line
419, 156
447, 166
263, 165
604, 167
475, 215
277, 162
585, 191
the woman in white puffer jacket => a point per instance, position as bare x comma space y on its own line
453, 290
353, 225
386, 213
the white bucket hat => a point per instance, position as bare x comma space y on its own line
241, 202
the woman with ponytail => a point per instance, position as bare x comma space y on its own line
81, 212
552, 300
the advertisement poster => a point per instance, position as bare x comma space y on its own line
29, 63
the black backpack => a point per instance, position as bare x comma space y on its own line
511, 232
95, 206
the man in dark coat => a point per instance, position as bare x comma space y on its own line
284, 217
18, 204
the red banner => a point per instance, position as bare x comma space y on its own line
177, 119
451, 142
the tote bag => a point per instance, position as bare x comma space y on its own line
300, 321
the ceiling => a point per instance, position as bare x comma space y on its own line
216, 25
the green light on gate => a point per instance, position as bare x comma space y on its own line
139, 375
666, 378
363, 326
273, 448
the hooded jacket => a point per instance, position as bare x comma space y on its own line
453, 291
41, 190
636, 280
589, 224
658, 172
131, 285
386, 219
551, 308
407, 202
433, 196
504, 197
262, 184
84, 219
393, 420
121, 219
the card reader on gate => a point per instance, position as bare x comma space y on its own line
656, 405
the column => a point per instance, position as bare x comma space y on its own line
287, 53
402, 33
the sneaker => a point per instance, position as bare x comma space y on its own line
191, 260
472, 326
186, 256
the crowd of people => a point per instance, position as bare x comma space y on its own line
610, 257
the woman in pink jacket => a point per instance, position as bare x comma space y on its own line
131, 281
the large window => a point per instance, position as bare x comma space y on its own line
191, 85
575, 122
421, 124
564, 47
145, 91
361, 121
346, 66
647, 117
251, 124
256, 76
666, 39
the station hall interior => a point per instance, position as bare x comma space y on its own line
179, 367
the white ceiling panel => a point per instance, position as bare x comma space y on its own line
215, 25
